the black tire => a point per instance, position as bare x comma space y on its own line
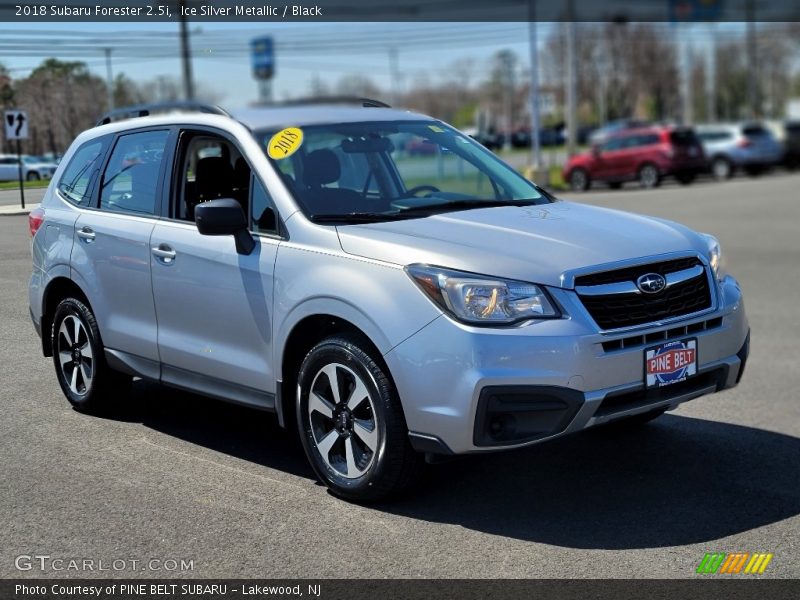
721, 168
579, 180
648, 176
686, 178
90, 394
615, 185
393, 465
33, 176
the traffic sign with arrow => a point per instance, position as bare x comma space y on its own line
16, 125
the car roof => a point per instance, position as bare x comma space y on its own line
318, 114
255, 118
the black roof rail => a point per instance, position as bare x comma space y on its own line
365, 102
144, 110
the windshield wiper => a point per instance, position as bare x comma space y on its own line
465, 205
356, 217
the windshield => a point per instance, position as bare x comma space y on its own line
382, 170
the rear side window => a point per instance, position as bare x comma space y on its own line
683, 138
754, 131
78, 179
130, 181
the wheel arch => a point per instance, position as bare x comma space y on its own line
304, 334
57, 289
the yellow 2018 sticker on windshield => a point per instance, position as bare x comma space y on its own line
285, 143
436, 128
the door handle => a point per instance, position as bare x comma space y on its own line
86, 234
164, 253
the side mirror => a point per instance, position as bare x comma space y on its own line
224, 217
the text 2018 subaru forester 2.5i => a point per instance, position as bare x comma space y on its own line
298, 260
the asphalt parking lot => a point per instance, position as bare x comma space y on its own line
174, 476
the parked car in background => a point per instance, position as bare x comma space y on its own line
548, 136
33, 168
646, 154
791, 155
747, 146
598, 136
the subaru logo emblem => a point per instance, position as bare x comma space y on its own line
652, 283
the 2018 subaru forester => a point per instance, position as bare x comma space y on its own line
300, 260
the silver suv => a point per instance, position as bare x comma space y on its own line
391, 303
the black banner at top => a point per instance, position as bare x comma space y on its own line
66, 11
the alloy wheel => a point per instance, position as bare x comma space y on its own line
75, 355
343, 422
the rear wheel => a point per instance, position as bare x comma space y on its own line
721, 168
351, 423
649, 177
81, 369
579, 180
33, 176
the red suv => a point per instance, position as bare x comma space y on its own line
646, 154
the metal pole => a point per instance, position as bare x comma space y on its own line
536, 150
394, 73
188, 84
109, 79
21, 181
572, 76
711, 77
752, 58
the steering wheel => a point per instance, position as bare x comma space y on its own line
422, 188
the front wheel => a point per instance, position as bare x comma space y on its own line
351, 423
33, 176
579, 180
81, 369
649, 177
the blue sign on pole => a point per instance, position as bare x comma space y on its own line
263, 57
695, 10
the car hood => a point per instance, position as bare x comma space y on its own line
530, 243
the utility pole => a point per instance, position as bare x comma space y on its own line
572, 83
752, 62
188, 84
507, 60
533, 91
711, 75
109, 79
685, 51
394, 73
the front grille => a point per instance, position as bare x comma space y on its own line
614, 311
633, 273
620, 402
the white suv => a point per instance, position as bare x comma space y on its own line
386, 304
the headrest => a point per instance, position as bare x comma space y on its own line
321, 167
214, 178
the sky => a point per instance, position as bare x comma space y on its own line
223, 63
326, 51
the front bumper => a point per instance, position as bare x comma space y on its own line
578, 377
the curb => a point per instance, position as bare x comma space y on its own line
11, 211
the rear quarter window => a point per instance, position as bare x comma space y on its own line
78, 179
754, 131
683, 138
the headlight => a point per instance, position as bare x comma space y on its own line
714, 254
483, 300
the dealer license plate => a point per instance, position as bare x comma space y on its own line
670, 363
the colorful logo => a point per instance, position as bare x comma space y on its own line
737, 562
671, 362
